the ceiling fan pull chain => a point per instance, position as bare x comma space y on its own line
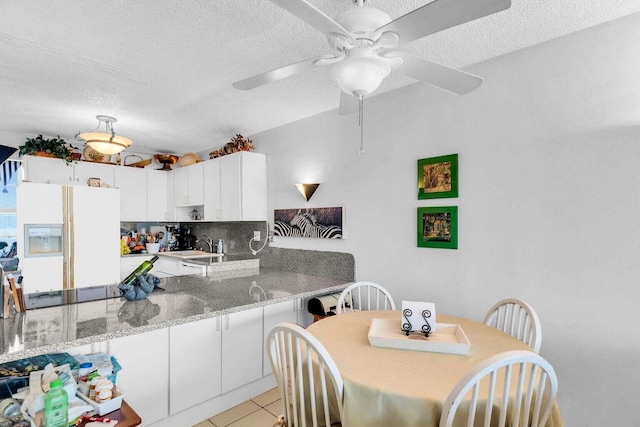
361, 122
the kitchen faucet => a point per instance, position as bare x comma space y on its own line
209, 241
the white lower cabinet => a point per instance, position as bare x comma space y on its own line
129, 264
275, 314
168, 371
195, 367
242, 348
145, 362
165, 267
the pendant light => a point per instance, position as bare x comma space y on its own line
108, 142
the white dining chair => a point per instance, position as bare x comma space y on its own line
518, 319
515, 388
308, 379
364, 296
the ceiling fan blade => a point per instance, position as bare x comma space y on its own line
280, 73
312, 16
348, 104
440, 15
440, 76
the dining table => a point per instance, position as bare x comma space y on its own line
394, 386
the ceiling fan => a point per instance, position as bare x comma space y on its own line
365, 40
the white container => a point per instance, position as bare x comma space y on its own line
108, 406
448, 338
153, 248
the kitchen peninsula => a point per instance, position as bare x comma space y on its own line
201, 340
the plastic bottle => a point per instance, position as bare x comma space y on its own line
219, 246
143, 268
56, 406
85, 369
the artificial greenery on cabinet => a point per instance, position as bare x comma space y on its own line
54, 147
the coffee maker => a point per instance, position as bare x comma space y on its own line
186, 240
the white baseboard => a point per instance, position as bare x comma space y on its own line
204, 410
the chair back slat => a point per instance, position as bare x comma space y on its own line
514, 389
518, 319
365, 296
309, 382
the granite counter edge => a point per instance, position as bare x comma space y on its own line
63, 346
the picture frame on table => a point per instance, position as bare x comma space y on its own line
438, 227
438, 177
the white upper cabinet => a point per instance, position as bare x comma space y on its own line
85, 170
229, 188
189, 185
132, 183
235, 188
46, 170
157, 191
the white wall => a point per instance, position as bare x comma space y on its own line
549, 151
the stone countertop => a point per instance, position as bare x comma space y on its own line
185, 299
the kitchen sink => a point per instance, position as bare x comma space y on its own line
190, 254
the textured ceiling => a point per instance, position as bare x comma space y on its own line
164, 68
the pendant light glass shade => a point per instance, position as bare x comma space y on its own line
106, 143
359, 76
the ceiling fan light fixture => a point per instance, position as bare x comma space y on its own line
359, 76
108, 142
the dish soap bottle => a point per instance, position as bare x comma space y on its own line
56, 406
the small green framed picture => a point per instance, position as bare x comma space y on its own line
438, 227
438, 177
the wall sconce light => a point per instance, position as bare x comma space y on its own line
307, 190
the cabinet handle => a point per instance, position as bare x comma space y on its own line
218, 324
227, 317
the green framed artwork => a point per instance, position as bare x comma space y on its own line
438, 177
438, 227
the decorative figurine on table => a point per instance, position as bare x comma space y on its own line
418, 316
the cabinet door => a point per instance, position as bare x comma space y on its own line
230, 188
47, 170
196, 184
275, 314
211, 174
165, 268
189, 186
304, 317
129, 264
181, 187
253, 183
195, 367
132, 183
85, 170
144, 378
241, 348
184, 269
157, 191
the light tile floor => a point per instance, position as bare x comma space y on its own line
261, 410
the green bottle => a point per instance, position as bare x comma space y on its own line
143, 268
56, 406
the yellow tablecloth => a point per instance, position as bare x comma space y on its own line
385, 386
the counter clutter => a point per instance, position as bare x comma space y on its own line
185, 299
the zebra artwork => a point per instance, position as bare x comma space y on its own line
323, 223
281, 228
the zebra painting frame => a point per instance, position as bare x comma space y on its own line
438, 227
322, 223
438, 177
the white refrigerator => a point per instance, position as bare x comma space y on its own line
68, 236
